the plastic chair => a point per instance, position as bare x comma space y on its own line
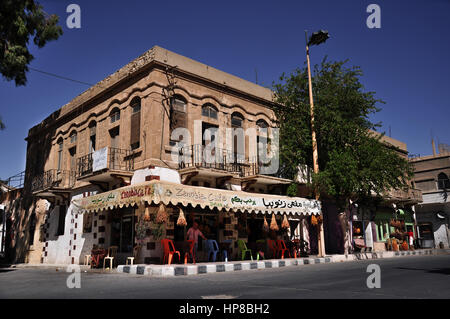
213, 248
112, 251
169, 251
243, 248
225, 252
281, 247
190, 253
87, 259
135, 255
273, 247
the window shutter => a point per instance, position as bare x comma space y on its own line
135, 128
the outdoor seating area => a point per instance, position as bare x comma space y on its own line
168, 231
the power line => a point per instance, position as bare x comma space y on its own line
60, 77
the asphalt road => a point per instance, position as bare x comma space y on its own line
402, 277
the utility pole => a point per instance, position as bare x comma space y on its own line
316, 39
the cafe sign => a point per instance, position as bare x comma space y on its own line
170, 193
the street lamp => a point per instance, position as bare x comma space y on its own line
316, 39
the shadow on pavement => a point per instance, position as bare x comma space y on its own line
444, 271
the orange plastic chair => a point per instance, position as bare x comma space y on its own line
190, 253
281, 247
169, 250
273, 247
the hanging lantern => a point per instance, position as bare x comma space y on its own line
147, 214
285, 223
265, 225
181, 220
313, 220
161, 215
273, 223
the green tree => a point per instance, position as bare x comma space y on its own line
19, 21
353, 161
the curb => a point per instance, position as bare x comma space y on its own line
207, 268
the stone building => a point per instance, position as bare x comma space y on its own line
432, 177
125, 131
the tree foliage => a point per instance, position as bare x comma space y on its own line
20, 20
353, 161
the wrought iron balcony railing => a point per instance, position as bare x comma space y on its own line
53, 179
215, 158
110, 159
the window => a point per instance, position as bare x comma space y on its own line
179, 104
443, 181
92, 136
61, 220
178, 116
73, 137
209, 111
73, 158
238, 138
262, 140
60, 153
115, 115
135, 136
236, 120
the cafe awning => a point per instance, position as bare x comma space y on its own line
177, 194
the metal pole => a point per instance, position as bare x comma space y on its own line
321, 237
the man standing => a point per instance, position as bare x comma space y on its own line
192, 234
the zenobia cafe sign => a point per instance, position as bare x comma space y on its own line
176, 194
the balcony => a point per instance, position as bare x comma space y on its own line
195, 160
410, 196
217, 162
53, 182
105, 165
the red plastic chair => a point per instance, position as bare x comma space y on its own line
281, 247
169, 250
190, 253
273, 247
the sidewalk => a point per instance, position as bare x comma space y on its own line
206, 268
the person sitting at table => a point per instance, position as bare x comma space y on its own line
192, 234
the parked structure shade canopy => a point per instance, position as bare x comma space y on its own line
177, 194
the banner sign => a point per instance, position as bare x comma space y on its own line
170, 193
100, 159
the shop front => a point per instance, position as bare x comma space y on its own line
144, 214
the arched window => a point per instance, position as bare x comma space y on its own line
60, 152
443, 181
210, 111
136, 104
178, 103
73, 137
262, 124
178, 116
237, 120
114, 115
135, 136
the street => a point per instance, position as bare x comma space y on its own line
402, 277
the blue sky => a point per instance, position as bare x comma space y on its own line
406, 62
